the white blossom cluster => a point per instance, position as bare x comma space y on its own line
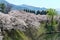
21, 20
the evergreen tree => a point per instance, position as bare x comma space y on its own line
38, 12
2, 7
43, 12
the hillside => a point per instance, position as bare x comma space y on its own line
20, 7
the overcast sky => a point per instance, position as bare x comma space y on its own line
37, 3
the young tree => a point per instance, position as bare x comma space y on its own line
51, 13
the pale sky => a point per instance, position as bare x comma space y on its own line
37, 3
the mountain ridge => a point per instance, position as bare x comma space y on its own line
21, 7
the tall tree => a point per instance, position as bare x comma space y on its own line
2, 7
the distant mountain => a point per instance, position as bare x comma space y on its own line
32, 7
21, 7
